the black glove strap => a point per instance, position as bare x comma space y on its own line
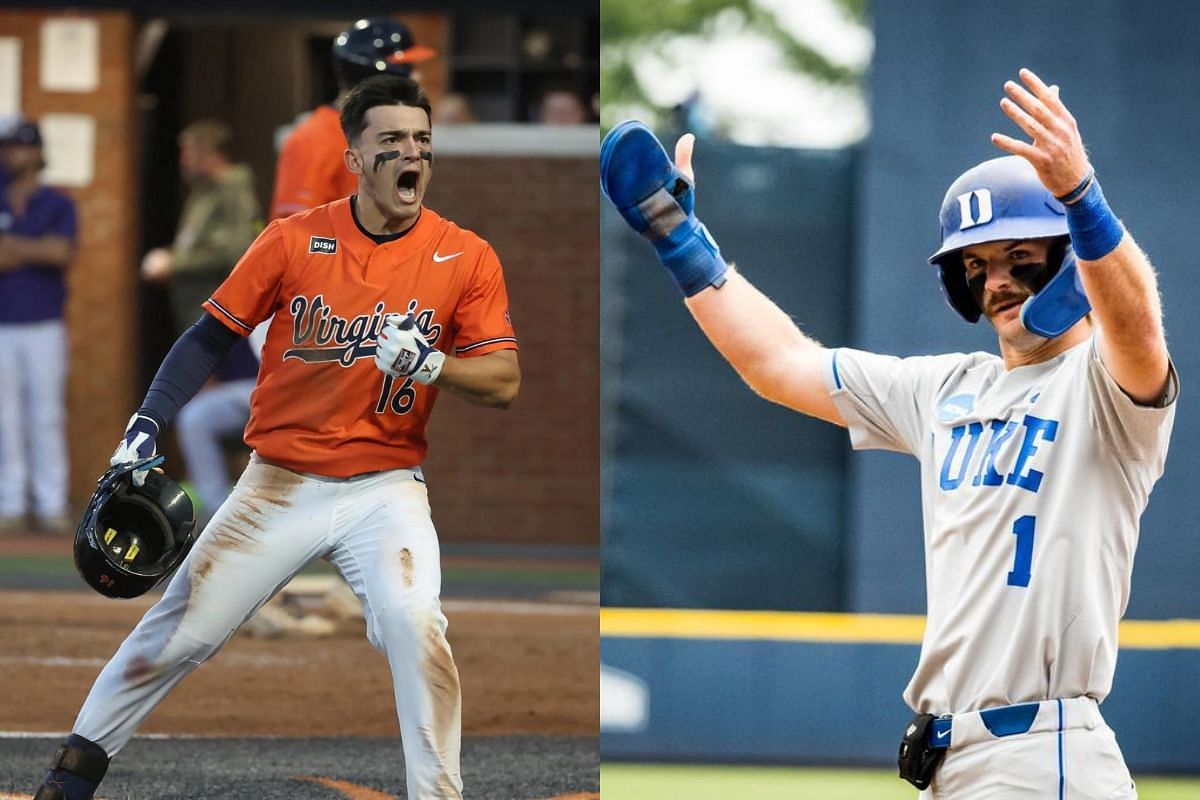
85, 763
918, 759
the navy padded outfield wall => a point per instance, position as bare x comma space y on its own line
713, 497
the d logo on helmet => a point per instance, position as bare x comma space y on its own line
968, 214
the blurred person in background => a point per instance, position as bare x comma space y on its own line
37, 244
561, 106
220, 219
219, 412
454, 109
311, 170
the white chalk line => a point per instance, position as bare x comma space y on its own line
230, 659
517, 607
156, 736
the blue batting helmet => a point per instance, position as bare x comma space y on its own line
1001, 199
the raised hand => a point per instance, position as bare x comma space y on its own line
1057, 151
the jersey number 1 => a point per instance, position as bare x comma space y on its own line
1023, 565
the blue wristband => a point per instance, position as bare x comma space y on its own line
1095, 230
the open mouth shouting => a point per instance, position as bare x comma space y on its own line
406, 184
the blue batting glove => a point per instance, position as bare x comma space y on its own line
657, 200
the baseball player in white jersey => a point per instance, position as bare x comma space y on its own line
337, 425
1035, 465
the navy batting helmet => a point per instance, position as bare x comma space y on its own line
132, 537
1001, 199
374, 46
19, 130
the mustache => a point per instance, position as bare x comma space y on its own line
997, 300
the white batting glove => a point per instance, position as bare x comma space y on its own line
138, 443
402, 351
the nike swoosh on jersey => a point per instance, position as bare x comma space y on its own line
439, 259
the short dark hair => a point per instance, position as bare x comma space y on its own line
380, 90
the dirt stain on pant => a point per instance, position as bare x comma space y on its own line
237, 527
140, 670
446, 698
406, 567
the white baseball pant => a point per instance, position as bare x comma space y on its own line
377, 531
1069, 753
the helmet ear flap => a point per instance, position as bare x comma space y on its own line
1056, 255
956, 289
1060, 303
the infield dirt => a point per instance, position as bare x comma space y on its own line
521, 673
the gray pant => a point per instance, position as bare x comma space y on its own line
212, 415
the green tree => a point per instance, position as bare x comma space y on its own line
631, 28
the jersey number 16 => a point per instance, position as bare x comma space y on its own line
403, 400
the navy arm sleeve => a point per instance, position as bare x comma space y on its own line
185, 369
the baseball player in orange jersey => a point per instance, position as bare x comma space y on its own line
377, 303
309, 171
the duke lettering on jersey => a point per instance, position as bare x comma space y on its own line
958, 462
1023, 572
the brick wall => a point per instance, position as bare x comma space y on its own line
101, 284
529, 474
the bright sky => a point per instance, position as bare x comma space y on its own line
748, 89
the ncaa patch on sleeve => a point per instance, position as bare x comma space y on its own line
319, 244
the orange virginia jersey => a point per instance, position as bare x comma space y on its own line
311, 170
321, 405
